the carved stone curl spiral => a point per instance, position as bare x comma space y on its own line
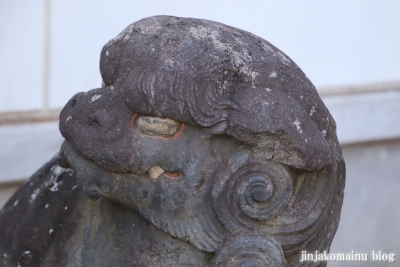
254, 192
251, 251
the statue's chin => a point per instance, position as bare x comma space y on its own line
70, 158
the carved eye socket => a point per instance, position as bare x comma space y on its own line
156, 126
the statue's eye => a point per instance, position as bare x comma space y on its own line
156, 126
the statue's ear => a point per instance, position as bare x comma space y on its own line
278, 127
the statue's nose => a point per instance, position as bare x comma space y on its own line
70, 112
74, 101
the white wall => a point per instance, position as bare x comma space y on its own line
21, 53
334, 42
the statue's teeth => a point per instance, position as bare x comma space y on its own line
155, 172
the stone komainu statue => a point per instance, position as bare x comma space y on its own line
205, 146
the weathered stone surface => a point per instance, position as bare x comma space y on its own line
206, 146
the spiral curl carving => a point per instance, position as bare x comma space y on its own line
253, 192
250, 250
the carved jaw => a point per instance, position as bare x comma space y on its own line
169, 204
96, 181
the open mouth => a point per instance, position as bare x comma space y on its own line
89, 172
